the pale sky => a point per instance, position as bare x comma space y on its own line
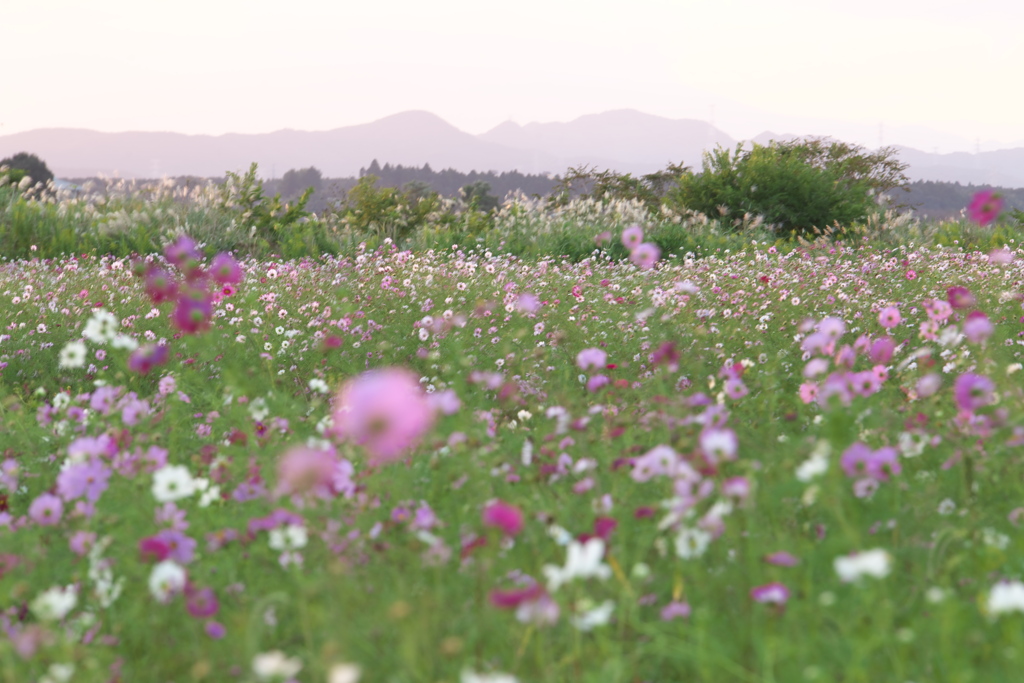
252, 66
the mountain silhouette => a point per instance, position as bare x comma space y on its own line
625, 140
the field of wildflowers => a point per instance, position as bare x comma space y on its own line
461, 464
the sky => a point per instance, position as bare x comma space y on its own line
943, 74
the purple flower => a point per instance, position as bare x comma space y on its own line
201, 602
596, 382
215, 630
504, 516
591, 358
89, 479
775, 593
46, 510
960, 297
782, 559
675, 610
225, 269
977, 327
180, 548
973, 391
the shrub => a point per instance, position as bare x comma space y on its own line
795, 186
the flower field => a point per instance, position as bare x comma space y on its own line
458, 465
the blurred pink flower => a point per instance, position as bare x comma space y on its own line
384, 411
225, 269
645, 255
592, 358
985, 207
503, 516
889, 317
632, 237
774, 593
303, 469
977, 327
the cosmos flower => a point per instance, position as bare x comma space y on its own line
985, 207
504, 516
384, 411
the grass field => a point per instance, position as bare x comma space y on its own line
761, 463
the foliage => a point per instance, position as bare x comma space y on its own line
477, 197
795, 186
585, 182
295, 181
35, 167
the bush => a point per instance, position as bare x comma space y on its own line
795, 186
32, 165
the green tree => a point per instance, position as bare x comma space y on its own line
32, 165
584, 182
795, 186
478, 197
295, 182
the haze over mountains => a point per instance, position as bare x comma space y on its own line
624, 140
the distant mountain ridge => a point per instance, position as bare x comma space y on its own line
625, 140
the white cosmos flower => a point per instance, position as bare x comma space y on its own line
172, 482
55, 603
583, 562
876, 563
469, 676
72, 355
1007, 596
102, 327
275, 665
288, 537
814, 466
166, 580
591, 618
691, 543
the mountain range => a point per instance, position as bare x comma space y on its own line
627, 141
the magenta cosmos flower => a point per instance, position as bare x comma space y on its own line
384, 411
592, 358
504, 516
225, 269
985, 207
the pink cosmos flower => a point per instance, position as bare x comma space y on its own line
193, 312
303, 469
225, 269
960, 297
977, 327
528, 303
985, 207
504, 516
201, 602
160, 285
384, 411
597, 382
632, 237
889, 317
973, 391
782, 559
675, 610
592, 358
145, 358
645, 255
46, 510
881, 350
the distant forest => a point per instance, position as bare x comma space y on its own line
927, 199
937, 201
